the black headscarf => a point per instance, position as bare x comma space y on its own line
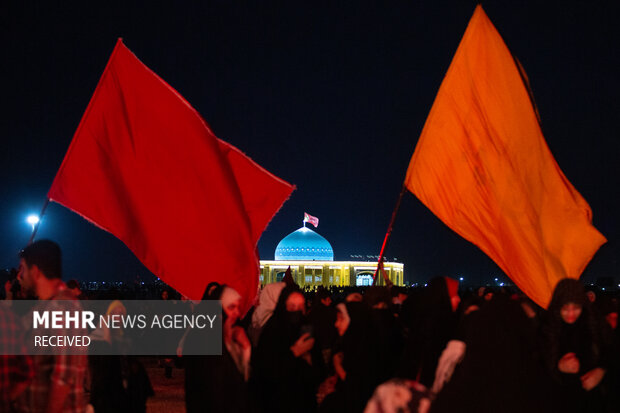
567, 291
360, 349
432, 325
583, 336
287, 323
275, 366
213, 383
357, 339
322, 317
499, 360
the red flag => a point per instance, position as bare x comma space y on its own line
144, 166
288, 278
313, 220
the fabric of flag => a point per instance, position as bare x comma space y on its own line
483, 167
313, 220
288, 278
144, 166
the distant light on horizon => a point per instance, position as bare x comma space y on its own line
32, 219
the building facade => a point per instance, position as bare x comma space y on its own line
311, 258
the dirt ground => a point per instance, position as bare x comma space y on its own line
169, 393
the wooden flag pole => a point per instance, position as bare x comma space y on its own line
36, 227
385, 240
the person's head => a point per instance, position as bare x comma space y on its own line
570, 312
296, 302
609, 309
568, 300
528, 308
353, 323
487, 293
399, 295
354, 297
230, 300
117, 308
442, 294
211, 287
231, 303
377, 297
164, 295
342, 319
291, 305
74, 287
40, 263
269, 296
323, 297
290, 310
471, 304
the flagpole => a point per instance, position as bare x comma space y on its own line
36, 227
387, 236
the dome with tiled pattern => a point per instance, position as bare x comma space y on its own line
304, 245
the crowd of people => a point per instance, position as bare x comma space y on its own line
437, 348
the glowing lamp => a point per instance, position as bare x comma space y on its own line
33, 220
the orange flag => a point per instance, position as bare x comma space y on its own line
483, 167
144, 166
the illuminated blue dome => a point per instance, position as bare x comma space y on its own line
304, 245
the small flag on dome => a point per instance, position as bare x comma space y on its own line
313, 220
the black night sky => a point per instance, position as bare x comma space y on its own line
330, 96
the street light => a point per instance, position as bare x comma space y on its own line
32, 220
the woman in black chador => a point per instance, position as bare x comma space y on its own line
118, 383
287, 367
219, 383
357, 363
574, 350
499, 371
431, 323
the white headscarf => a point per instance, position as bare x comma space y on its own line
267, 304
239, 354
